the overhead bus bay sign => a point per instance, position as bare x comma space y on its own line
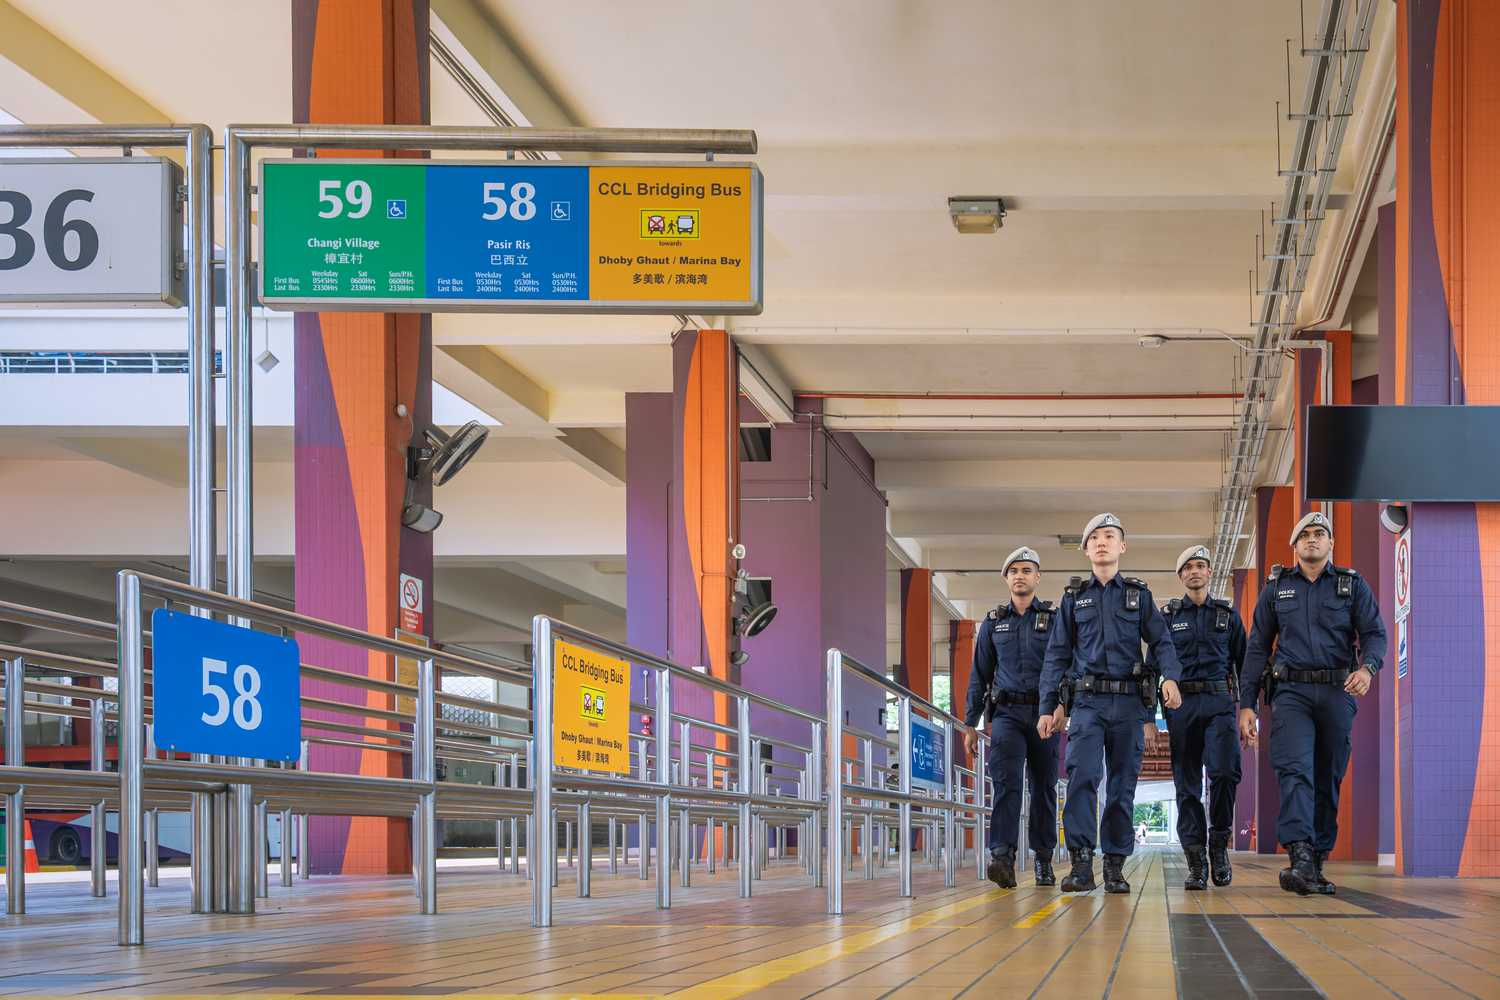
104, 231
510, 236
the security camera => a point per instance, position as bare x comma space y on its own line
1394, 517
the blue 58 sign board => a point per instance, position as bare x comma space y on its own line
221, 689
926, 754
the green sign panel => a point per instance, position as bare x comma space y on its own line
516, 236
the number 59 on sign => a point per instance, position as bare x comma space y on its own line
221, 689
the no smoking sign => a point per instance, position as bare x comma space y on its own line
1403, 575
413, 613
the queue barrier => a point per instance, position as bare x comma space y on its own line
748, 793
946, 808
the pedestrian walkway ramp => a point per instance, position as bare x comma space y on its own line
355, 936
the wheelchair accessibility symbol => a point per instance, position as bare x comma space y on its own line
395, 208
562, 211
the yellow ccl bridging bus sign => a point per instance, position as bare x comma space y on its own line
590, 709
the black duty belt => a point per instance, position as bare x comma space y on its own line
1331, 676
1220, 686
1017, 698
1094, 684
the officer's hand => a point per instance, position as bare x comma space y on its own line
1248, 728
971, 741
1149, 730
1044, 726
1358, 683
1059, 720
1170, 695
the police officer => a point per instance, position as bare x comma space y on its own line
1329, 644
1008, 656
1096, 647
1210, 642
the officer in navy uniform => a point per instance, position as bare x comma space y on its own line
1096, 649
1210, 642
1008, 656
1329, 644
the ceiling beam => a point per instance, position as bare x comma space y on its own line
69, 74
1017, 476
1040, 525
490, 55
766, 387
522, 406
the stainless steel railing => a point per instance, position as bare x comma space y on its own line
949, 804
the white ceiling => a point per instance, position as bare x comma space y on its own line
1132, 142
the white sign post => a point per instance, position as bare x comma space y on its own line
91, 230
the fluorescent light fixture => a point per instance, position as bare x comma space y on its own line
975, 215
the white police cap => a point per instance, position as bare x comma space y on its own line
1023, 554
1317, 519
1101, 521
1194, 552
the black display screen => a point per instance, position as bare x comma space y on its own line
1403, 453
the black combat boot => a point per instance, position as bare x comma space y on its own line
1081, 878
1321, 886
1114, 875
1197, 876
1043, 867
1002, 868
1218, 858
1301, 876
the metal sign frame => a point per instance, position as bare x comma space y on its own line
171, 282
197, 143
732, 307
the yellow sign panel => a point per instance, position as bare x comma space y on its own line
590, 709
670, 233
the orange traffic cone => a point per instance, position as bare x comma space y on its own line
32, 864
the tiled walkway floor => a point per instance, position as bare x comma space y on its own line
1381, 936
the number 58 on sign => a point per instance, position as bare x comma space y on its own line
221, 689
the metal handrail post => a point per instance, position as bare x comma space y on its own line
287, 824
835, 775
132, 713
684, 819
746, 766
99, 835
153, 816
664, 799
813, 792
425, 770
950, 818
304, 862
15, 802
904, 809
867, 837
585, 849
262, 850
541, 850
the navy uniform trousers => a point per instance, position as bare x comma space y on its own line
1310, 732
1105, 737
1015, 746
1204, 733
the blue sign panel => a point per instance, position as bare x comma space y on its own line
517, 235
221, 689
926, 754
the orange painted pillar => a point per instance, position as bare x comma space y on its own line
916, 631
1274, 512
705, 518
359, 62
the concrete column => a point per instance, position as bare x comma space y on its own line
1447, 352
359, 61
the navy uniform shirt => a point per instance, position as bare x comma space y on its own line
1206, 651
1108, 637
1314, 628
1008, 653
